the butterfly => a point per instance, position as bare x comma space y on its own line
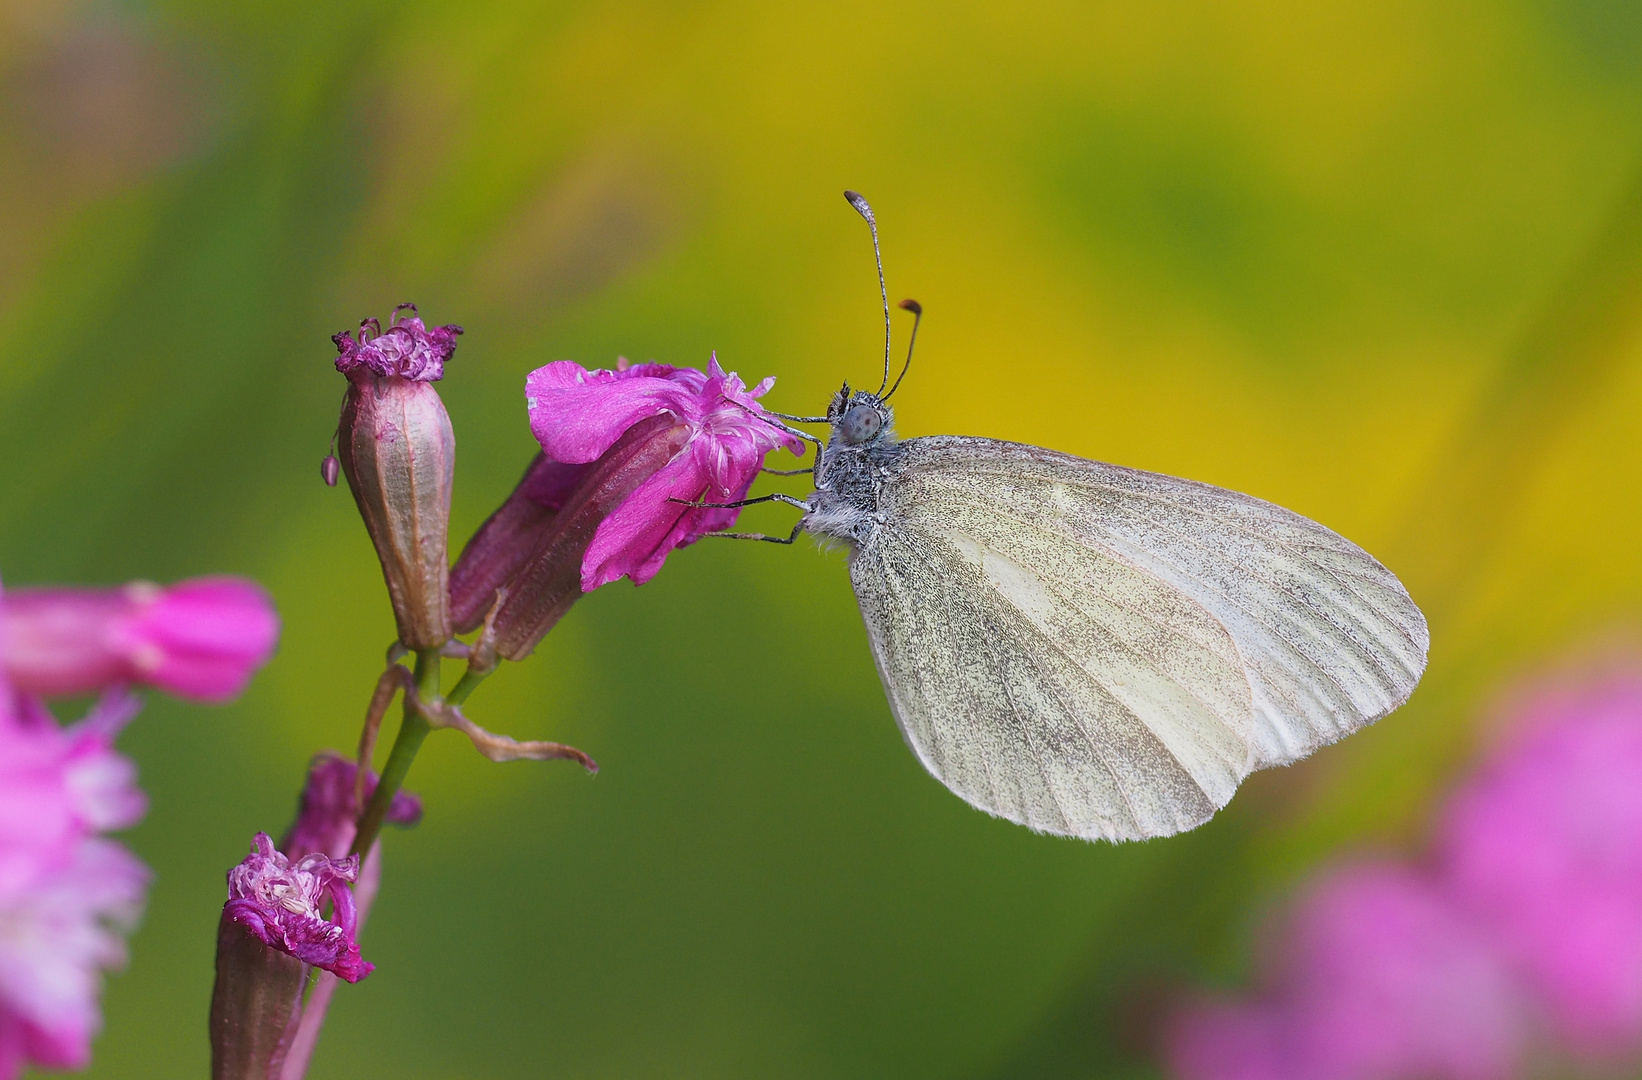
1091, 650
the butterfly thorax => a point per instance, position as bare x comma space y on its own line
860, 455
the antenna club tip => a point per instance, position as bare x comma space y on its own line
911, 305
860, 205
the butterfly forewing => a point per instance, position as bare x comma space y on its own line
1100, 652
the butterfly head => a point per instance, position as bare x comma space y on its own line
859, 418
863, 419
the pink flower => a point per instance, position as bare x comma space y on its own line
578, 414
325, 820
1381, 977
200, 639
1545, 845
280, 902
1229, 1040
58, 931
66, 896
58, 786
531, 558
408, 349
1391, 979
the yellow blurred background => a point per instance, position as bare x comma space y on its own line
1378, 262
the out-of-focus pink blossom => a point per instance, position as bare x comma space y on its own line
1229, 1040
1525, 925
1545, 846
578, 414
1380, 977
280, 902
407, 349
327, 814
200, 639
58, 932
58, 786
66, 896
1392, 980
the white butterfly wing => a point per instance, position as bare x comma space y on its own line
1100, 652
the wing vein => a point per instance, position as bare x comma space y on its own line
1079, 479
1070, 595
1259, 617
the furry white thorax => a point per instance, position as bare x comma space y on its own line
851, 471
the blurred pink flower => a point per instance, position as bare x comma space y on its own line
66, 896
200, 639
326, 817
578, 414
1391, 979
407, 349
1229, 1040
280, 902
58, 932
59, 785
1381, 977
1544, 844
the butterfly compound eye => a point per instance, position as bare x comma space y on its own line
860, 424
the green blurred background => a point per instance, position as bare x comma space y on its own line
1379, 261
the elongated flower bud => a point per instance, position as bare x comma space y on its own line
399, 454
255, 1005
507, 540
551, 581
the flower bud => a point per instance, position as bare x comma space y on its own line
255, 1005
399, 455
550, 581
508, 539
328, 810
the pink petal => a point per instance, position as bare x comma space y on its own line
62, 641
576, 414
204, 638
631, 541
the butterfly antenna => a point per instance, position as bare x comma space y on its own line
917, 310
865, 211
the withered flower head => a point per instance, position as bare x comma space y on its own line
398, 452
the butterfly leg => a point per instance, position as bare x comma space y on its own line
796, 529
789, 472
769, 418
788, 499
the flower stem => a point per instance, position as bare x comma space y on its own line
412, 730
470, 680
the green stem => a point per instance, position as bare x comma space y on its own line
412, 730
469, 681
